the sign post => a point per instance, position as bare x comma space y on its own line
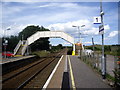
101, 29
99, 20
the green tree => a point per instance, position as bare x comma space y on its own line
41, 44
30, 30
60, 46
107, 48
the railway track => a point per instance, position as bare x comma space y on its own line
25, 78
12, 74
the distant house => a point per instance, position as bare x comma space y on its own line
88, 52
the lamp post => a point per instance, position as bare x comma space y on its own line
5, 42
78, 31
79, 36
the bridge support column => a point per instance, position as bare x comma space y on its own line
73, 52
82, 47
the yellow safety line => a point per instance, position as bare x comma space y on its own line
71, 74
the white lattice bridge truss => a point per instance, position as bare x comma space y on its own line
50, 34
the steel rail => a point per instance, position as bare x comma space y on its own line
8, 78
35, 74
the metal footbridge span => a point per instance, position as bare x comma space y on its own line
22, 45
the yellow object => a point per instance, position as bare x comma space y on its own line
73, 52
18, 55
23, 45
71, 74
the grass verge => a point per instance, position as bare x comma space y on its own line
43, 53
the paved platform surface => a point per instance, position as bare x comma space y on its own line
7, 60
56, 79
84, 76
74, 73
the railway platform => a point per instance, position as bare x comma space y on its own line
13, 59
71, 72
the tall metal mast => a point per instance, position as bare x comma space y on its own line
103, 58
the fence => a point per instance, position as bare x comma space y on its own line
112, 65
93, 59
117, 71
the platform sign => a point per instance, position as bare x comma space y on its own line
97, 20
101, 29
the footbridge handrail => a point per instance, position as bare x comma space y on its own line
25, 47
17, 47
47, 34
51, 34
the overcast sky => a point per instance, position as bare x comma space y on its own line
60, 16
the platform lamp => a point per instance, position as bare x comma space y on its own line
5, 41
79, 34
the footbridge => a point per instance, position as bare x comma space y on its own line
23, 45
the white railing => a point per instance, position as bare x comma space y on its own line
17, 47
50, 34
24, 47
44, 34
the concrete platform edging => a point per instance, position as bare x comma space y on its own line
65, 79
15, 64
50, 77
